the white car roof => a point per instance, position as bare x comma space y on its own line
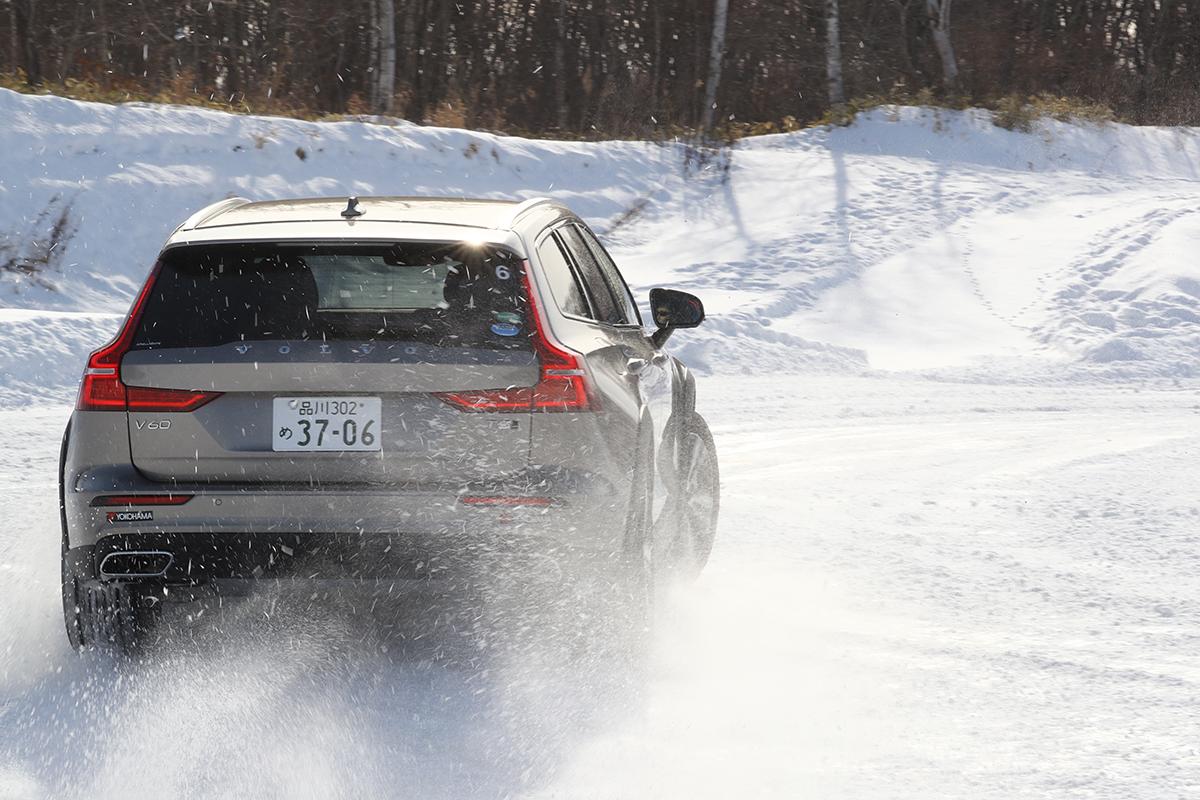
388, 218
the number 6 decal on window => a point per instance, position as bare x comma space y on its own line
502, 273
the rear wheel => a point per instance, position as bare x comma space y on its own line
108, 617
99, 615
70, 599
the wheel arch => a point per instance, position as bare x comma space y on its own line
685, 388
644, 460
62, 483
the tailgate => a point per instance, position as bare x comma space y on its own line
329, 359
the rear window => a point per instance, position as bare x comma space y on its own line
443, 294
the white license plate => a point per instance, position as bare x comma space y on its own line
325, 423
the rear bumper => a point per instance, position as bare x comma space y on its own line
198, 558
417, 524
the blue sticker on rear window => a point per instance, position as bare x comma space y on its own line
505, 329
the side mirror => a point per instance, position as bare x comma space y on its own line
671, 310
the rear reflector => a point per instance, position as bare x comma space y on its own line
507, 501
141, 398
141, 500
517, 399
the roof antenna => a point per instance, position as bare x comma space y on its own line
352, 210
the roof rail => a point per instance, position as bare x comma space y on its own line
208, 212
523, 207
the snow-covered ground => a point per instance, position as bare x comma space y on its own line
952, 375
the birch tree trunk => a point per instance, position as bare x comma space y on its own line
939, 17
716, 54
387, 57
833, 55
373, 56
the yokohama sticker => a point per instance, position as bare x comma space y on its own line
130, 516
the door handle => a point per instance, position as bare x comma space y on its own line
634, 366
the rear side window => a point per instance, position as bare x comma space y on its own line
608, 309
563, 284
443, 294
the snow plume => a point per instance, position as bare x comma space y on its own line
331, 693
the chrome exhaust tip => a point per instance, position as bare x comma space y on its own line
136, 564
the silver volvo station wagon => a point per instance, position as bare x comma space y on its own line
379, 389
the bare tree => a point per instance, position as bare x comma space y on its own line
386, 94
560, 68
939, 19
716, 54
14, 56
833, 54
26, 26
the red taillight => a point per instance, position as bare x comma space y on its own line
141, 499
102, 389
562, 385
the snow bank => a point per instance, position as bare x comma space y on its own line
969, 138
43, 352
914, 240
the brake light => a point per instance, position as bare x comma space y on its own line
141, 500
102, 389
562, 383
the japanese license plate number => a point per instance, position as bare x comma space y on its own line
318, 424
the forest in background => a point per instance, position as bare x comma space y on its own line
639, 68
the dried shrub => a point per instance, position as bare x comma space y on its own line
1017, 113
449, 113
30, 258
356, 105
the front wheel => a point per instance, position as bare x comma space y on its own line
695, 499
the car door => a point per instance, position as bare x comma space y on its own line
641, 370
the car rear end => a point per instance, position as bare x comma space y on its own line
340, 409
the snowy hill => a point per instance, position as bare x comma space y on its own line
914, 239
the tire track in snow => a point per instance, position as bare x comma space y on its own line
1115, 326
